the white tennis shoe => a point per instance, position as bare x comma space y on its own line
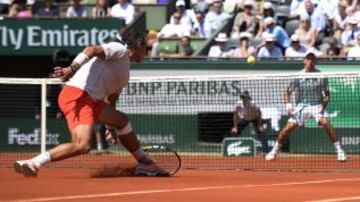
270, 156
28, 168
341, 156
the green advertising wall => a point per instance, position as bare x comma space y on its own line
43, 36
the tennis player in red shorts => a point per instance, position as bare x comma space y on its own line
95, 80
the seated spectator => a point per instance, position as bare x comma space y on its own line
296, 49
200, 28
244, 21
216, 16
280, 34
175, 29
4, 6
245, 49
348, 37
316, 16
333, 50
220, 50
267, 11
77, 10
328, 7
19, 10
101, 9
295, 8
123, 10
270, 50
306, 32
339, 19
200, 5
187, 15
354, 52
49, 10
185, 49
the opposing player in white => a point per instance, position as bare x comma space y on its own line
97, 76
311, 97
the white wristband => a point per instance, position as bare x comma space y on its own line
81, 59
288, 106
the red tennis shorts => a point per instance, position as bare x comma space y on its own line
78, 107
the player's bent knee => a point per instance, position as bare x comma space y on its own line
127, 129
83, 148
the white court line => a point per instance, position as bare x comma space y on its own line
338, 199
91, 196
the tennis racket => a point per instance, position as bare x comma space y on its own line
166, 158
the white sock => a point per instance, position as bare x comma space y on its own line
42, 158
99, 146
337, 146
276, 148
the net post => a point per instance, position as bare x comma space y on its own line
43, 115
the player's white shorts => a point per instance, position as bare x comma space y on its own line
303, 113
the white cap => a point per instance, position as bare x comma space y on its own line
267, 5
312, 51
268, 37
295, 37
213, 1
180, 3
269, 20
315, 2
352, 20
222, 37
249, 3
244, 35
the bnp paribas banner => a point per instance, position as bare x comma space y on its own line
43, 36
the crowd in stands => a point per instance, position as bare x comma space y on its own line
260, 28
270, 28
20, 9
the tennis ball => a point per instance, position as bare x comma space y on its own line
251, 60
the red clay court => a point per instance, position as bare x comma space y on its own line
188, 185
70, 184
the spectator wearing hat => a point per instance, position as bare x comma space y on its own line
48, 10
76, 10
187, 15
349, 36
245, 49
201, 28
280, 34
245, 21
270, 50
216, 16
354, 52
316, 16
296, 49
266, 11
220, 50
123, 10
306, 32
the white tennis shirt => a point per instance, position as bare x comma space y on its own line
100, 78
